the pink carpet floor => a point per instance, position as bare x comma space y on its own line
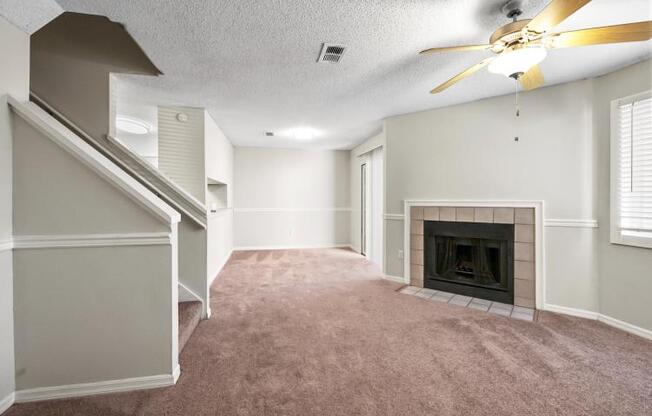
317, 332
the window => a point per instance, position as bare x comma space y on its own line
631, 170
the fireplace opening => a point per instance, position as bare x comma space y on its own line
472, 259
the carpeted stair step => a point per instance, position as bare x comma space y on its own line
189, 317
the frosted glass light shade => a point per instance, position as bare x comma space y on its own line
132, 125
517, 61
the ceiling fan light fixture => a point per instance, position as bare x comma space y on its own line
516, 61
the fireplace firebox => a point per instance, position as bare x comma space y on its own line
473, 259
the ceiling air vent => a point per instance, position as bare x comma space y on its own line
331, 53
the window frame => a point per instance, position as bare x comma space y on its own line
616, 237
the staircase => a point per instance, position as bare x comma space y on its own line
189, 317
137, 167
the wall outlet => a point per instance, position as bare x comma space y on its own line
400, 254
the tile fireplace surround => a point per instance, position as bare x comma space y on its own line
524, 219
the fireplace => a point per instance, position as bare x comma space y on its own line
473, 259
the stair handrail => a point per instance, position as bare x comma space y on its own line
156, 172
201, 213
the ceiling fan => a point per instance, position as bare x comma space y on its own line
522, 44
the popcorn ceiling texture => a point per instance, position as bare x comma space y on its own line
29, 15
252, 63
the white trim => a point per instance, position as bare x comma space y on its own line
176, 373
394, 217
539, 255
219, 269
396, 279
581, 313
100, 387
83, 152
187, 295
7, 402
340, 209
198, 205
91, 240
627, 327
6, 244
294, 247
571, 223
615, 235
608, 320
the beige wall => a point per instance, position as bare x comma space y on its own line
468, 152
625, 272
291, 198
101, 314
14, 80
87, 313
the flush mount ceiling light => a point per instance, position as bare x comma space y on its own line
132, 125
303, 133
515, 62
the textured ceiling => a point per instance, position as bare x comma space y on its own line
252, 63
30, 15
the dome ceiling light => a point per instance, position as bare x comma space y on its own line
132, 125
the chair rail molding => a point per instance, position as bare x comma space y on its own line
91, 240
334, 209
6, 244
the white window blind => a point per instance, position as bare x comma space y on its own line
633, 170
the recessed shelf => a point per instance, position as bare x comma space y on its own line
216, 195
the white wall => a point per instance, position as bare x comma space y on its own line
14, 80
219, 167
291, 198
625, 272
468, 152
130, 103
181, 148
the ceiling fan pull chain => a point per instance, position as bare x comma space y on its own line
518, 111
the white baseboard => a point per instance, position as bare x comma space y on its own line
293, 247
101, 387
176, 373
397, 279
616, 323
627, 327
7, 402
581, 313
221, 266
187, 295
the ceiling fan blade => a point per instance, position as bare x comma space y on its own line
554, 13
456, 48
629, 32
462, 75
532, 79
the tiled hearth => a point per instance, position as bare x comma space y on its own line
496, 308
524, 241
